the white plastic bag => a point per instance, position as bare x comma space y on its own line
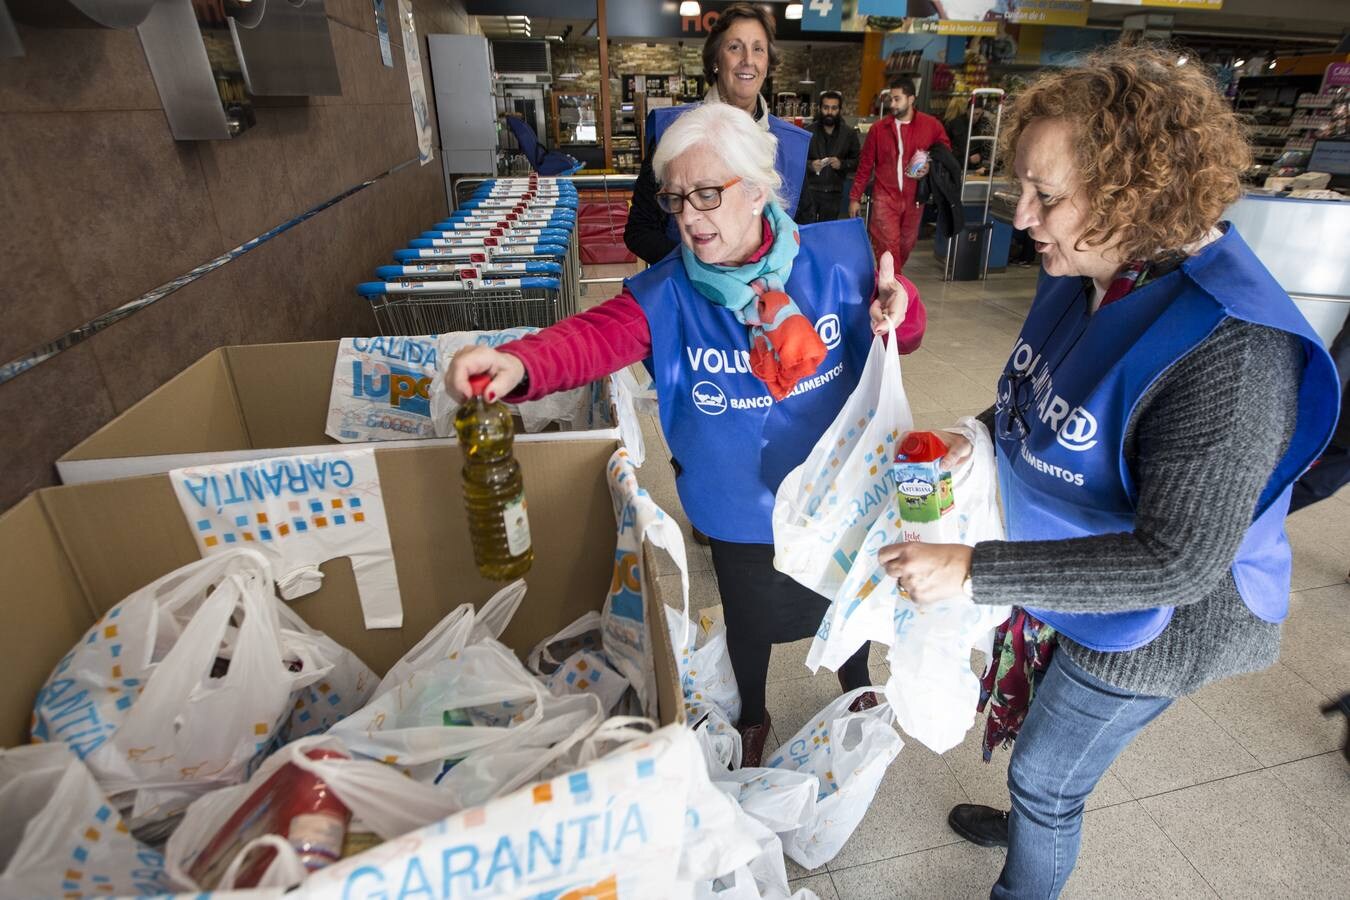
379, 796
588, 672
627, 632
706, 676
462, 626
762, 878
564, 406
572, 662
849, 753
824, 507
381, 389
932, 689
782, 800
612, 829
542, 751
60, 837
137, 701
480, 699
719, 739
586, 633
332, 681
299, 511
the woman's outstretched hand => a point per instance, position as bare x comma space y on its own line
892, 301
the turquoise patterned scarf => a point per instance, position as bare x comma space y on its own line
784, 347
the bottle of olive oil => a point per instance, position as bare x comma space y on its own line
494, 492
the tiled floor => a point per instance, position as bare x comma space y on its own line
1237, 791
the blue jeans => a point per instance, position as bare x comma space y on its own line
1076, 727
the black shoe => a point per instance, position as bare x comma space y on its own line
1341, 706
983, 826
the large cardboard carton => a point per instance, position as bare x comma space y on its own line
68, 554
236, 403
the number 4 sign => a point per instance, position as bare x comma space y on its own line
822, 15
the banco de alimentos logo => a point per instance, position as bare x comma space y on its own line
710, 398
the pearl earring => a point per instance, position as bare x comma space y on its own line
756, 210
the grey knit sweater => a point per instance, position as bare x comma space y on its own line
1201, 445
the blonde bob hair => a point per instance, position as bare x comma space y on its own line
748, 150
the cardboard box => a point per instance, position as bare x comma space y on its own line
237, 403
68, 554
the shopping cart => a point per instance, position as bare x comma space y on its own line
539, 235
506, 257
450, 271
469, 304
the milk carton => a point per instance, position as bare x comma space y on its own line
924, 490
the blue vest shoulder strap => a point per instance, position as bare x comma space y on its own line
1246, 290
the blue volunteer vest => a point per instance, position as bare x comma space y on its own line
790, 162
1085, 374
733, 443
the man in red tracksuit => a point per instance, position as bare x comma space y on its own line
891, 144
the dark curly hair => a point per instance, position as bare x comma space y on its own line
1158, 149
719, 31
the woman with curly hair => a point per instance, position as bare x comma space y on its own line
1162, 398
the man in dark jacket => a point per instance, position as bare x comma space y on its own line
831, 161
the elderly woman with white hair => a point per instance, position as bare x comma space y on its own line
755, 333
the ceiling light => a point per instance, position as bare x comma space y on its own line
1182, 60
794, 11
690, 8
1239, 63
1272, 64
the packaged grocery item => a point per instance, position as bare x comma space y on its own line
294, 804
916, 163
924, 489
494, 492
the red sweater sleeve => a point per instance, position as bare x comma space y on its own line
583, 347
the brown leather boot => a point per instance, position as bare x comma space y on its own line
863, 701
752, 742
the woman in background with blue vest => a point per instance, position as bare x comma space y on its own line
738, 54
1161, 400
756, 333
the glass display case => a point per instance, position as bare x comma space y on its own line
574, 119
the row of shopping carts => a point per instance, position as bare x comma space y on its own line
505, 258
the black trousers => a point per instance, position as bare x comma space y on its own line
818, 206
763, 607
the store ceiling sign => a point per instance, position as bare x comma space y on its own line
822, 15
953, 27
1174, 4
1050, 12
972, 18
1338, 75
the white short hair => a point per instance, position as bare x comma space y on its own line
748, 150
